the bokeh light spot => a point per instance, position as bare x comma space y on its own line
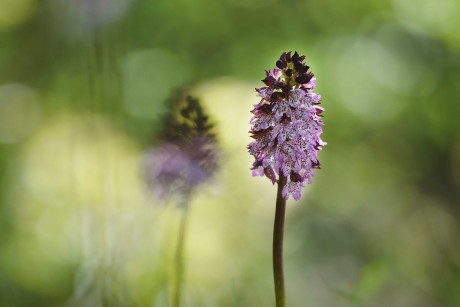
19, 112
82, 152
15, 12
431, 16
355, 89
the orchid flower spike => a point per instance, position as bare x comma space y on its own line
287, 125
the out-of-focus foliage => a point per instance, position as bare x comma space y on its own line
83, 85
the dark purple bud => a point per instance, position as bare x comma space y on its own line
275, 96
283, 57
286, 89
266, 108
298, 66
303, 69
256, 164
285, 119
295, 57
288, 56
302, 79
269, 81
281, 64
315, 164
295, 177
258, 134
288, 72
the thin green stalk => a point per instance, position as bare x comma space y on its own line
278, 234
179, 259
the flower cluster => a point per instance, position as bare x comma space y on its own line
186, 153
287, 125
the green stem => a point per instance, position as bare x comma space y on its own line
179, 260
278, 234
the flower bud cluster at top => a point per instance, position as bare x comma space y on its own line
287, 125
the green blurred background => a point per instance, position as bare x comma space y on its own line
82, 87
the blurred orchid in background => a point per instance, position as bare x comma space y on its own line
184, 157
185, 154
